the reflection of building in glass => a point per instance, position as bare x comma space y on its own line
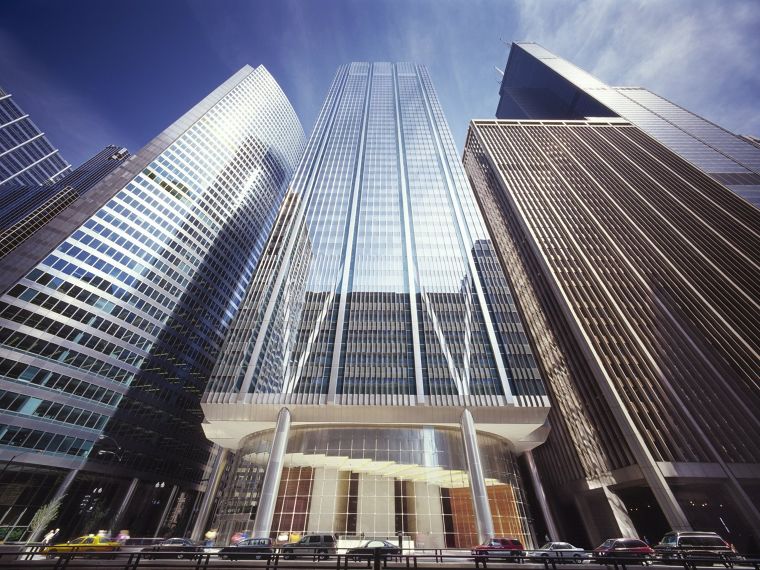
111, 329
381, 329
539, 85
636, 275
26, 156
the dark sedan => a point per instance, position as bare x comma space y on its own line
249, 549
173, 548
626, 549
366, 551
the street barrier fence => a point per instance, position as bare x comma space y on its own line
33, 556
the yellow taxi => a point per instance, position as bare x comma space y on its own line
85, 544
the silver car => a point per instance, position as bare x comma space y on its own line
563, 550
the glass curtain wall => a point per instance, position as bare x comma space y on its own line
360, 483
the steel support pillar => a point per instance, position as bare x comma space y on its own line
201, 520
165, 512
265, 513
538, 487
63, 488
478, 489
124, 504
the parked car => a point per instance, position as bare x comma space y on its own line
499, 548
173, 548
630, 549
249, 549
366, 550
321, 545
88, 545
563, 550
709, 545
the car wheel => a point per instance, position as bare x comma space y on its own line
577, 559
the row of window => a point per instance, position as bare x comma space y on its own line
53, 351
60, 383
29, 406
44, 441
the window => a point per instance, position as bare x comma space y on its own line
708, 541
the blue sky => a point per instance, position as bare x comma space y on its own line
91, 74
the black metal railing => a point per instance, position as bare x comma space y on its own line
38, 557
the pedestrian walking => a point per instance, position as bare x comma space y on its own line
48, 538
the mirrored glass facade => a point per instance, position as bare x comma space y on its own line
116, 330
540, 85
26, 155
388, 280
381, 300
26, 209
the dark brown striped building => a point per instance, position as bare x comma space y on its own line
638, 278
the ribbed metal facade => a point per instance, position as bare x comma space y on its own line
637, 276
540, 85
26, 155
116, 330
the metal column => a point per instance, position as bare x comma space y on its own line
59, 494
478, 489
201, 520
124, 504
538, 487
168, 506
265, 513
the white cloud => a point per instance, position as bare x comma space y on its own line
699, 54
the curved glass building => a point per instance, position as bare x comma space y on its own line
377, 380
107, 338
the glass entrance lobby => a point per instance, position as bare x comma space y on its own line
376, 482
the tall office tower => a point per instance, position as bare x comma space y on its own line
377, 380
539, 85
109, 335
637, 277
26, 209
26, 156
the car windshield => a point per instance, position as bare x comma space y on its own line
608, 543
79, 540
546, 546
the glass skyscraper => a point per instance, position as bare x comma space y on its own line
24, 210
377, 380
540, 85
638, 280
26, 155
110, 331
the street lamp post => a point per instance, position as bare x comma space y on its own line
7, 463
118, 454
